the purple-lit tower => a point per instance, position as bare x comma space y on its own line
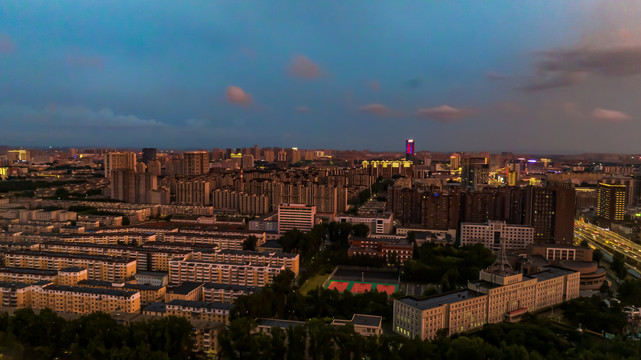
409, 149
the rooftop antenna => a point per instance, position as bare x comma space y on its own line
501, 266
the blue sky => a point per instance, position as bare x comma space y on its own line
558, 76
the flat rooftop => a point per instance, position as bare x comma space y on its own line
367, 320
89, 290
201, 304
439, 300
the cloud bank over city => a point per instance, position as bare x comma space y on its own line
228, 74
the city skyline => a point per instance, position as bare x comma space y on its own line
555, 77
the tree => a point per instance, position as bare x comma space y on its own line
629, 292
250, 243
61, 193
597, 256
618, 265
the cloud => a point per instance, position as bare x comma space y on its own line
570, 66
376, 109
78, 116
496, 76
413, 83
554, 79
302, 67
236, 95
6, 44
375, 85
446, 113
610, 115
303, 109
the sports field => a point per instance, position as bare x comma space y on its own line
358, 287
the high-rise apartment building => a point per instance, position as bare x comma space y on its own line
295, 216
148, 154
119, 161
196, 163
611, 201
475, 172
455, 161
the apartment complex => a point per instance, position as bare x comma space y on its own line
495, 234
225, 273
279, 259
84, 300
498, 296
98, 267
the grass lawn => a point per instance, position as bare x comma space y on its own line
313, 282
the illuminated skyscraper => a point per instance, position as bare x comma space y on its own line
611, 202
409, 149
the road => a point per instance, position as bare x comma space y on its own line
610, 242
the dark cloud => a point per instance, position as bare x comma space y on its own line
414, 83
446, 113
554, 79
302, 67
566, 67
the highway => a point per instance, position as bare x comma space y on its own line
610, 242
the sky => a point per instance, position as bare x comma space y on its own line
527, 76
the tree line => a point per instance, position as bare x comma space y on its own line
45, 335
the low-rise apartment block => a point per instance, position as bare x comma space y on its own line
226, 273
226, 293
199, 310
289, 261
15, 294
84, 300
98, 267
